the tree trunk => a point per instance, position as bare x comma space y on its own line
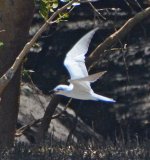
43, 128
15, 19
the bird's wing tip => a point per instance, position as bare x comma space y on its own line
113, 101
109, 100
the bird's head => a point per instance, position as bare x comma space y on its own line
60, 89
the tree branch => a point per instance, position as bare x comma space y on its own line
22, 129
5, 79
119, 34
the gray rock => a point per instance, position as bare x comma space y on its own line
32, 107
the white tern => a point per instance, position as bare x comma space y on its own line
79, 87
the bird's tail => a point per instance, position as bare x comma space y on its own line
103, 98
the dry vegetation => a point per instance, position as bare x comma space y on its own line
58, 151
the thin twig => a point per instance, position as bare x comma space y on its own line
59, 114
96, 11
36, 97
138, 4
22, 129
128, 4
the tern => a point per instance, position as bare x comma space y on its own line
79, 87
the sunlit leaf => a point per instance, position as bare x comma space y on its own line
1, 44
51, 10
55, 5
47, 6
43, 9
27, 73
69, 7
65, 15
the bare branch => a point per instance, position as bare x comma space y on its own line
119, 34
59, 114
96, 11
22, 129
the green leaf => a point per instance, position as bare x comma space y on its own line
1, 44
27, 73
43, 9
65, 15
51, 10
55, 5
47, 6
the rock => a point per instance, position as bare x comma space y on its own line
32, 107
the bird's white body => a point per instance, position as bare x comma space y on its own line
82, 94
79, 87
77, 93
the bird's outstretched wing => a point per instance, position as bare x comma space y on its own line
75, 58
91, 78
84, 83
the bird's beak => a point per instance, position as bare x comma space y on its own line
52, 92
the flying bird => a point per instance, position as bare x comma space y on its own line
79, 87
